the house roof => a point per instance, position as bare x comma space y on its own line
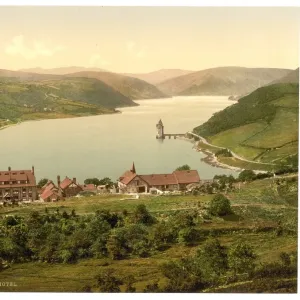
187, 176
48, 185
128, 178
18, 175
48, 193
177, 177
159, 179
66, 182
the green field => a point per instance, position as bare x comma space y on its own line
41, 277
282, 152
88, 205
258, 208
283, 129
235, 162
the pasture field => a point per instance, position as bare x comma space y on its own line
259, 207
272, 137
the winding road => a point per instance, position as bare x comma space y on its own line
232, 153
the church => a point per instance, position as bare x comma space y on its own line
131, 182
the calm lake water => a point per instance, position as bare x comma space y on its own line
106, 145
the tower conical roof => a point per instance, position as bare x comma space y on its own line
160, 122
133, 168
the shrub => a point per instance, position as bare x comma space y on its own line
107, 282
142, 216
188, 236
213, 259
246, 175
152, 287
223, 152
220, 206
183, 276
241, 258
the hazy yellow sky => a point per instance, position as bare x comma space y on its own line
144, 39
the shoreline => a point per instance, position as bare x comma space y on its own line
212, 160
70, 117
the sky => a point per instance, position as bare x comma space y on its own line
145, 39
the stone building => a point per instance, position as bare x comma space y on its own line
131, 182
18, 185
160, 130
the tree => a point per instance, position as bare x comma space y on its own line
246, 175
94, 181
183, 168
241, 258
107, 282
106, 181
42, 182
213, 259
220, 206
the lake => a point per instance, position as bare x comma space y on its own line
106, 145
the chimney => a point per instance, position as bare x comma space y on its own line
9, 169
58, 181
74, 179
32, 170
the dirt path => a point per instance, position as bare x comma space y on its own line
232, 153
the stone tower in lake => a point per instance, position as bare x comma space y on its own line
160, 130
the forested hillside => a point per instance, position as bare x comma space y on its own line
262, 126
56, 98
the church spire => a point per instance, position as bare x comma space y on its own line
133, 168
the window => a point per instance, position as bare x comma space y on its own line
137, 182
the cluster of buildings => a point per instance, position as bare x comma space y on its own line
21, 185
131, 182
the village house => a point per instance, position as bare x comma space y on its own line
64, 189
18, 185
131, 182
50, 192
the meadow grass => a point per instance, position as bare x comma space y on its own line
43, 277
233, 139
258, 204
284, 127
235, 162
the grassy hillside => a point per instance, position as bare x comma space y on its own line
264, 216
25, 76
56, 99
221, 81
130, 87
262, 126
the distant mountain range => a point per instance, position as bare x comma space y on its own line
160, 75
130, 87
291, 77
62, 70
221, 81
